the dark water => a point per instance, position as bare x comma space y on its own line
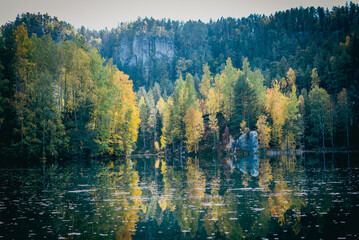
286, 197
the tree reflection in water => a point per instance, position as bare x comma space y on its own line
118, 200
229, 198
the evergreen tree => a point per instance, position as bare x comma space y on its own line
319, 101
344, 114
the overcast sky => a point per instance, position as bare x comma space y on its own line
98, 14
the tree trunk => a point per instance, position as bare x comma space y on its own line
348, 145
65, 97
322, 125
60, 92
144, 139
214, 139
230, 107
323, 137
287, 141
73, 97
22, 133
304, 138
43, 137
154, 130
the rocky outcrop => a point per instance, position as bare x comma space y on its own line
247, 142
142, 48
164, 48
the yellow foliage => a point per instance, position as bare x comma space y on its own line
157, 163
263, 131
276, 106
194, 128
157, 146
212, 103
162, 203
244, 128
124, 115
161, 106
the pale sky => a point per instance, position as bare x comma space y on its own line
98, 14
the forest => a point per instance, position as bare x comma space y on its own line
59, 99
166, 86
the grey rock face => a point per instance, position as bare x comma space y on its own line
144, 47
141, 49
164, 48
123, 52
248, 142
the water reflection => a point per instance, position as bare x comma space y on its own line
249, 165
118, 200
235, 197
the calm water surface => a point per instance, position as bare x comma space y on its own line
284, 197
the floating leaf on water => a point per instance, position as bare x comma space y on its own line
74, 234
257, 209
83, 190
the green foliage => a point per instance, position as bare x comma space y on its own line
345, 114
194, 129
315, 78
64, 102
3, 99
60, 98
301, 38
319, 101
206, 81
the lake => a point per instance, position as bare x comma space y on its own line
286, 197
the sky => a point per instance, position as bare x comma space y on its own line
98, 14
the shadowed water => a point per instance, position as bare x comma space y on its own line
286, 197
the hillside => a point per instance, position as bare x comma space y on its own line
303, 38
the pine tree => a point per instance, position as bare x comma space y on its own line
319, 101
315, 78
144, 119
206, 82
167, 130
344, 114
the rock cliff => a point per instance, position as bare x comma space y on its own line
142, 48
247, 142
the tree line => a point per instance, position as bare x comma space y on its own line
235, 101
302, 39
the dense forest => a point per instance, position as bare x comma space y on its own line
292, 77
59, 98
